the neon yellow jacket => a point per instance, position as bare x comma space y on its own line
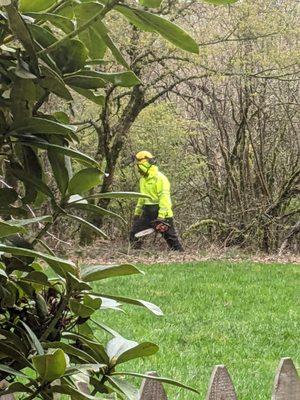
157, 186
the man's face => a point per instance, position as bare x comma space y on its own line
143, 167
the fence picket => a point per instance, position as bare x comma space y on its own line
287, 381
221, 387
286, 385
152, 390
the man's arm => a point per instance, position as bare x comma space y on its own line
164, 196
139, 206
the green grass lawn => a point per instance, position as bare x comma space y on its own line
243, 315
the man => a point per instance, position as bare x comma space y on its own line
156, 211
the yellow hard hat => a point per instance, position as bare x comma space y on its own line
143, 156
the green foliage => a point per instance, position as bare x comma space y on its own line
50, 49
50, 366
154, 23
150, 3
35, 5
84, 180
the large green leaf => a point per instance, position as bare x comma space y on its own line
76, 154
67, 9
52, 81
91, 37
84, 368
85, 330
44, 38
73, 283
92, 301
95, 349
49, 61
117, 195
42, 35
31, 180
124, 387
93, 209
86, 308
32, 168
121, 350
88, 225
61, 22
90, 95
50, 366
60, 170
60, 165
157, 378
94, 43
152, 22
35, 5
151, 3
8, 295
23, 222
84, 180
21, 31
14, 339
33, 339
109, 304
23, 97
12, 353
36, 277
84, 81
44, 126
134, 19
8, 230
97, 272
59, 265
22, 70
81, 309
72, 351
72, 392
77, 199
70, 56
103, 31
126, 79
62, 117
150, 306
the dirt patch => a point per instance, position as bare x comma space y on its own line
154, 253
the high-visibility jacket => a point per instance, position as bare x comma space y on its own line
157, 186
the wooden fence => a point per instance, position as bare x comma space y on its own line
286, 385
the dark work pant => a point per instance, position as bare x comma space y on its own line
149, 215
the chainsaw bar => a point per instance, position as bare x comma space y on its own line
145, 232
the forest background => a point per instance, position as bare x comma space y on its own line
224, 125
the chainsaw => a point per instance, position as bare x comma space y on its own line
159, 227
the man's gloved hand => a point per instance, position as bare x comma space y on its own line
161, 225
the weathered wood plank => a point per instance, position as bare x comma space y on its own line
152, 390
221, 386
287, 381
